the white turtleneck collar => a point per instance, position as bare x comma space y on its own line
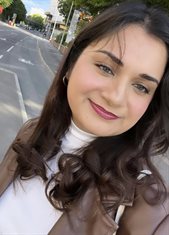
75, 138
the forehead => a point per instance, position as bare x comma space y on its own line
135, 47
127, 38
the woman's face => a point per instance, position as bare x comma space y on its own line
114, 80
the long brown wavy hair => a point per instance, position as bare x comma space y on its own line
113, 163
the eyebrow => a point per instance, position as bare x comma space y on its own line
119, 62
149, 78
112, 57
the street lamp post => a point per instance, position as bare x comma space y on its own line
61, 41
56, 19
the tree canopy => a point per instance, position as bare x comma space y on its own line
5, 3
17, 7
96, 6
36, 21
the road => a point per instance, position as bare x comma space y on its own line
27, 67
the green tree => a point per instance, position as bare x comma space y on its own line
96, 6
64, 7
91, 6
5, 3
36, 21
17, 7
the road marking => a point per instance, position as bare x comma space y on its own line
10, 48
3, 39
40, 54
19, 93
25, 61
1, 56
9, 66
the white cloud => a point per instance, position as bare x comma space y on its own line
31, 6
37, 11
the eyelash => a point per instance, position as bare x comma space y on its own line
105, 69
142, 88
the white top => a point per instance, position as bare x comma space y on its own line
25, 210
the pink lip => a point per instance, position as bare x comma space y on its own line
102, 112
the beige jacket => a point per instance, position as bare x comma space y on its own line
88, 216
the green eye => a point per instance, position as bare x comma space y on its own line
141, 88
105, 69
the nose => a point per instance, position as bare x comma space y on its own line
116, 93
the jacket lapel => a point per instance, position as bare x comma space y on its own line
87, 217
7, 170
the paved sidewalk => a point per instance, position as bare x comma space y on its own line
12, 110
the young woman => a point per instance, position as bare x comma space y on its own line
85, 165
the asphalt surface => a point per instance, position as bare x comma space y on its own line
12, 112
27, 67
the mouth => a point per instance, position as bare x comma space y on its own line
102, 112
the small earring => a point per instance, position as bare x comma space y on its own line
65, 80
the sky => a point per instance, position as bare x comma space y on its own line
36, 6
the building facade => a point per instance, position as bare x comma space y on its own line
54, 11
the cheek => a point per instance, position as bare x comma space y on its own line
84, 81
138, 109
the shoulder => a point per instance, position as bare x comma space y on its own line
27, 129
145, 218
23, 135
